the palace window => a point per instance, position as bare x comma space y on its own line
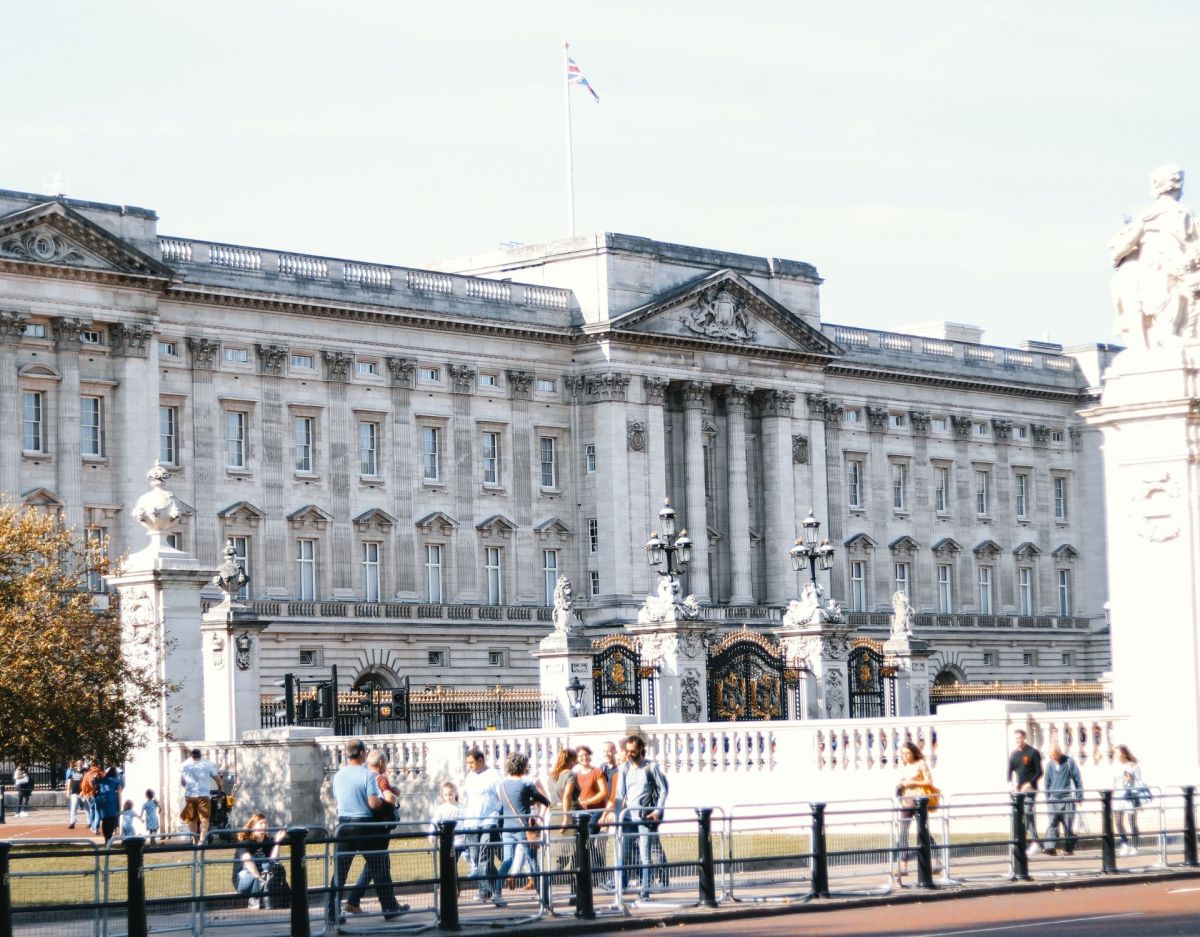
306, 570
493, 565
235, 439
490, 443
1025, 590
97, 546
546, 385
1060, 498
858, 585
902, 578
594, 576
91, 428
303, 445
945, 588
91, 337
896, 420
241, 556
489, 380
168, 349
549, 575
368, 449
235, 355
593, 527
496, 658
430, 375
1022, 494
941, 489
589, 458
431, 439
939, 424
982, 484
168, 435
302, 362
32, 422
34, 330
854, 469
370, 572
899, 486
433, 572
366, 367
438, 658
1064, 592
549, 467
985, 590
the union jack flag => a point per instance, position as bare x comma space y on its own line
575, 77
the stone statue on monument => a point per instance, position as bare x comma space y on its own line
1157, 261
808, 610
902, 615
667, 605
566, 616
230, 577
157, 509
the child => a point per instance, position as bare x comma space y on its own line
127, 818
149, 816
450, 809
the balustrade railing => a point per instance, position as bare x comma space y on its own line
289, 608
1056, 696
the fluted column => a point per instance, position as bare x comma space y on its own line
68, 462
524, 575
401, 470
695, 515
606, 393
468, 560
272, 359
342, 452
12, 326
208, 451
736, 398
135, 367
779, 495
654, 389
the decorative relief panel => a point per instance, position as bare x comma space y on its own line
635, 435
719, 314
800, 450
43, 247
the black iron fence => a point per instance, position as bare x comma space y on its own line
1056, 696
45, 777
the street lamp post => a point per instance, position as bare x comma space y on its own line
818, 554
676, 548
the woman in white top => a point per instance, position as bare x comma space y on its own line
1127, 785
915, 780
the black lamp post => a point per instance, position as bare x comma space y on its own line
818, 554
575, 694
676, 547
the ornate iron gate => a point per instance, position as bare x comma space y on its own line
747, 679
616, 675
872, 689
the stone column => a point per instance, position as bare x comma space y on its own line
528, 592
1149, 415
68, 461
736, 398
272, 360
878, 499
342, 458
923, 584
695, 512
606, 393
231, 636
12, 327
779, 494
468, 563
1042, 512
825, 423
560, 657
1001, 509
824, 646
135, 367
208, 449
403, 478
966, 592
910, 657
655, 391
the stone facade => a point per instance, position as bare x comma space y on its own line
406, 460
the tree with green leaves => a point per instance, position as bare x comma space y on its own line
68, 686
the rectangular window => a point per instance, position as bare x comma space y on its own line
1029, 658
1064, 592
370, 572
980, 429
431, 452
437, 658
91, 429
1022, 494
32, 435
939, 424
432, 375
368, 449
35, 330
495, 575
91, 337
982, 483
433, 572
593, 526
991, 658
306, 570
168, 435
1056, 436
985, 590
899, 486
854, 483
858, 585
941, 489
902, 578
852, 416
1060, 498
1025, 590
549, 575
546, 385
366, 367
589, 459
945, 588
896, 420
302, 361
491, 458
241, 556
1021, 432
489, 380
546, 457
303, 443
235, 439
1068, 658
172, 541
594, 576
496, 659
235, 355
97, 546
168, 349
310, 658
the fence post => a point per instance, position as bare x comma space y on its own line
1108, 839
296, 844
708, 878
924, 845
2, 818
1020, 858
584, 902
6, 924
447, 877
820, 856
1189, 825
135, 886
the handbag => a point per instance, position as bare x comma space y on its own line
1138, 796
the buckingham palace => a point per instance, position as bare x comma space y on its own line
405, 460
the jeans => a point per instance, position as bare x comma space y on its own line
1062, 818
249, 884
480, 837
73, 809
1030, 817
1133, 827
649, 849
93, 814
352, 840
516, 844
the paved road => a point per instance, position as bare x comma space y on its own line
1154, 910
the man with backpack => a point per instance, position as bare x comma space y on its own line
642, 800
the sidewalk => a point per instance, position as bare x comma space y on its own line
45, 823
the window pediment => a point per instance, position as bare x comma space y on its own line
987, 548
552, 527
42, 498
39, 371
1027, 550
947, 546
241, 514
437, 522
309, 517
374, 519
904, 546
1066, 553
497, 526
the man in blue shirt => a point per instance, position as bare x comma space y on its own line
642, 794
356, 790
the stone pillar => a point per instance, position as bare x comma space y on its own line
606, 393
230, 639
68, 462
910, 657
528, 585
923, 584
655, 391
1001, 509
272, 361
779, 495
208, 444
739, 496
1149, 415
966, 591
678, 650
468, 563
342, 459
401, 471
12, 327
560, 657
135, 367
695, 513
825, 423
824, 646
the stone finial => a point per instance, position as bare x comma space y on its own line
230, 577
157, 510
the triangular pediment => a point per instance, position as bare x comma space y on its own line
724, 308
946, 546
987, 548
56, 235
42, 498
375, 518
309, 517
438, 520
553, 526
241, 512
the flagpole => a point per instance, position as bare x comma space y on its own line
570, 159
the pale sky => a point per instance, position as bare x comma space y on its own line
933, 160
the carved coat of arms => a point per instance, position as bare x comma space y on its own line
719, 315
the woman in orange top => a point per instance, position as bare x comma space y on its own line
593, 787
